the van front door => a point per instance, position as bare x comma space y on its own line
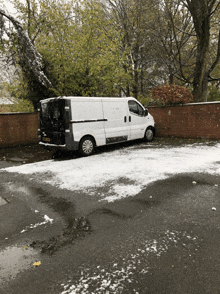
137, 120
117, 127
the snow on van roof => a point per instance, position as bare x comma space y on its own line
86, 98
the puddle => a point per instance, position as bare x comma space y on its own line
59, 209
76, 228
112, 213
147, 203
14, 260
25, 154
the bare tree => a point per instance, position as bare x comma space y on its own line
202, 12
175, 32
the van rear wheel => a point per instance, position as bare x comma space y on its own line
149, 135
86, 146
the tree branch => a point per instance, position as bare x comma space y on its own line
217, 56
28, 54
217, 6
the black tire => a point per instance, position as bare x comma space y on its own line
149, 135
86, 146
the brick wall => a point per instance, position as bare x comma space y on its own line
18, 129
193, 120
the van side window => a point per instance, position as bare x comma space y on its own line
134, 107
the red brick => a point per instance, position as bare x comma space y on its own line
188, 121
18, 129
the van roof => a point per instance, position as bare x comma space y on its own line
76, 98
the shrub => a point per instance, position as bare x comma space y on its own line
145, 100
171, 95
20, 105
214, 94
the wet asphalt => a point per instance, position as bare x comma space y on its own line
164, 240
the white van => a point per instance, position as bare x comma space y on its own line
82, 123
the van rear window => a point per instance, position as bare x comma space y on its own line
44, 110
53, 110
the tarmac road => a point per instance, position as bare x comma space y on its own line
165, 239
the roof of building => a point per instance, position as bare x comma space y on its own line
7, 100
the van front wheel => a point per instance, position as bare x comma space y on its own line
86, 146
149, 135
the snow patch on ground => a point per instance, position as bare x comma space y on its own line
33, 226
120, 275
124, 172
123, 191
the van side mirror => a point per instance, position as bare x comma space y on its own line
146, 112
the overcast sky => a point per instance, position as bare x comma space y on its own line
7, 5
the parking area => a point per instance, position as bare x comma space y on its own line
132, 218
34, 152
122, 171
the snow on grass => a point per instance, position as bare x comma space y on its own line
124, 172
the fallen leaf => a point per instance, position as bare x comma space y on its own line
37, 263
25, 247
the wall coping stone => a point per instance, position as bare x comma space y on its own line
16, 113
187, 104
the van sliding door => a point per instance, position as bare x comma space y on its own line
117, 127
87, 119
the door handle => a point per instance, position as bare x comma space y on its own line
125, 119
129, 118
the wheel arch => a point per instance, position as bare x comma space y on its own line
87, 145
90, 136
153, 130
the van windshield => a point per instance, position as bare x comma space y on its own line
134, 107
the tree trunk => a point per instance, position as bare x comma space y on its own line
201, 11
135, 80
171, 79
200, 81
200, 90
